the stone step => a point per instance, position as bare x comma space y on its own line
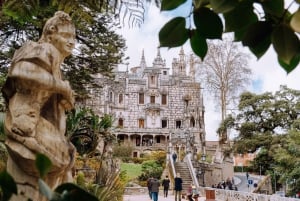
182, 168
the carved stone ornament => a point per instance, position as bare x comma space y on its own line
37, 99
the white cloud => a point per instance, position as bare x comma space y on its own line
266, 71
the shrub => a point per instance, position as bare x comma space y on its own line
150, 168
122, 151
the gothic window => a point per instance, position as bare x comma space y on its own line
152, 80
141, 98
164, 99
164, 123
192, 122
141, 123
152, 99
110, 96
120, 123
186, 102
178, 124
120, 98
164, 72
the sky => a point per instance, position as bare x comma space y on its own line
267, 74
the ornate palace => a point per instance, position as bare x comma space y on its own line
152, 104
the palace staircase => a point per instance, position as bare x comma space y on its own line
183, 169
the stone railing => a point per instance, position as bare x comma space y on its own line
135, 190
191, 169
224, 195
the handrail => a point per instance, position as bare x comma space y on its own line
172, 165
191, 169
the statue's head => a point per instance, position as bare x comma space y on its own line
60, 32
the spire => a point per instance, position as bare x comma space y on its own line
158, 61
143, 64
158, 53
181, 54
192, 68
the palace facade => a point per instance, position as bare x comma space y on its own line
154, 105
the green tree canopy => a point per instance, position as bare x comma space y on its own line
99, 48
288, 159
268, 123
263, 116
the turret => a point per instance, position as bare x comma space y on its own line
179, 66
158, 61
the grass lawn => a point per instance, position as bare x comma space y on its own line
132, 170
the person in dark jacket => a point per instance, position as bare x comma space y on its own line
154, 189
178, 187
166, 185
149, 186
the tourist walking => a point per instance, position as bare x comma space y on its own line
174, 156
178, 187
149, 186
166, 185
154, 186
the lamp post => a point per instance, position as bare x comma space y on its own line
201, 169
203, 159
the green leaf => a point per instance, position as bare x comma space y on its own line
285, 43
273, 7
295, 21
173, 33
198, 44
261, 48
200, 3
171, 4
241, 17
223, 6
208, 23
8, 185
43, 164
74, 192
258, 37
290, 67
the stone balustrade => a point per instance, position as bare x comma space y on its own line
220, 195
135, 190
224, 195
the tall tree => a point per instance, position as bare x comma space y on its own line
288, 159
224, 73
263, 121
99, 47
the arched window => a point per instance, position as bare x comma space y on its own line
110, 96
120, 98
164, 99
120, 123
141, 98
192, 122
141, 123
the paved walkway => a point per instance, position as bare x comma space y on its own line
160, 198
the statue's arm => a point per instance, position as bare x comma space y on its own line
40, 79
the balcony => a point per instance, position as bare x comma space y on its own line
153, 106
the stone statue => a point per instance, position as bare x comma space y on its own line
37, 99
